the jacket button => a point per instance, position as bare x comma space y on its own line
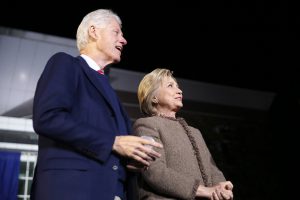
115, 167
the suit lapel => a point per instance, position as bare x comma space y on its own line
94, 80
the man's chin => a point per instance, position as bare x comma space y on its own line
117, 60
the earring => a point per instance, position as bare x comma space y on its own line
155, 100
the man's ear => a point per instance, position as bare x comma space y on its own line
93, 32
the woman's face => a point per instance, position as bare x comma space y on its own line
169, 96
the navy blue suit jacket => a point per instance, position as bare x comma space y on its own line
77, 126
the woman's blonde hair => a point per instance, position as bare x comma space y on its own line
148, 87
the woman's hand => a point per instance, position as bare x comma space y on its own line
221, 191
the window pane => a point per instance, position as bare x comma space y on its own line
23, 169
31, 169
29, 186
21, 186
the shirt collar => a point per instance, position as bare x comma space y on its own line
92, 64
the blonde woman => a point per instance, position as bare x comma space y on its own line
186, 169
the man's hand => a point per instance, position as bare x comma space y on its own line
136, 148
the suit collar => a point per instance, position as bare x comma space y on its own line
91, 63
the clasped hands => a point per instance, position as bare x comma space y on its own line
221, 191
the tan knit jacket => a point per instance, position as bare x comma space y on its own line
185, 162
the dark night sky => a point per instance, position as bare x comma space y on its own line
236, 43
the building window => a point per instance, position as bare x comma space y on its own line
27, 165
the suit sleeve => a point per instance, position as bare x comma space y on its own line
216, 174
53, 103
159, 176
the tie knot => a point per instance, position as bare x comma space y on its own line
101, 71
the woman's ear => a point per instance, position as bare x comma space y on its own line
155, 100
